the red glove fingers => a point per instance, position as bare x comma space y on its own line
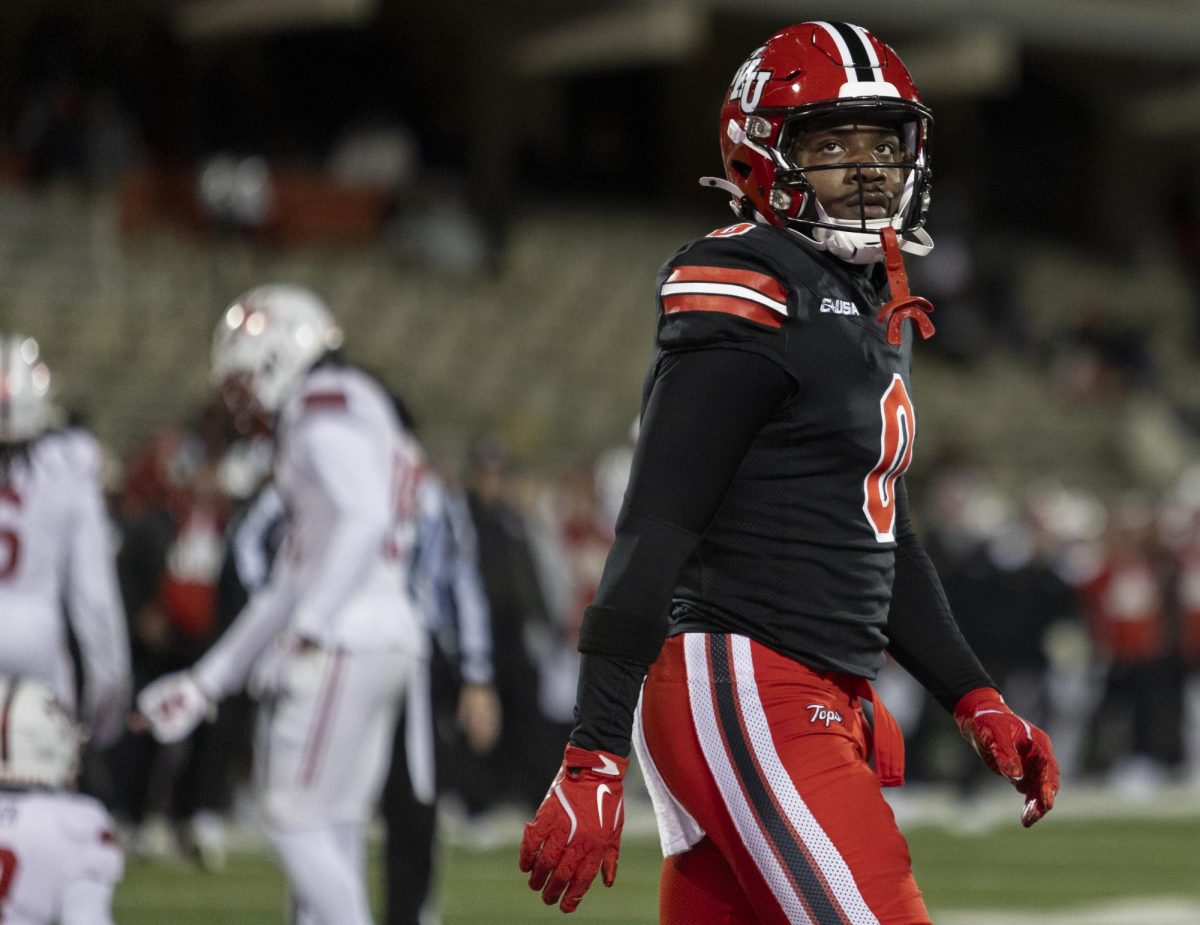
1012, 748
577, 830
571, 880
1040, 783
541, 849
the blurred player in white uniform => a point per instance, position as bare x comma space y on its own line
330, 644
59, 857
55, 552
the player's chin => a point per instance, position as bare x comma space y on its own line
852, 212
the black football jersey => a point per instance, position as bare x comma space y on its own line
800, 555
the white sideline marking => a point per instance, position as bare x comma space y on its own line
1122, 912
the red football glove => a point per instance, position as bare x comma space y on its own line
577, 829
1012, 748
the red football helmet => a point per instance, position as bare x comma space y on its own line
817, 71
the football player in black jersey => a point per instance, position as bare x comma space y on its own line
765, 563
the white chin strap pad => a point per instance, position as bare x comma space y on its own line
851, 246
862, 248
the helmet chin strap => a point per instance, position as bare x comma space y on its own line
722, 184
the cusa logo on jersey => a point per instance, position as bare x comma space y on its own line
838, 306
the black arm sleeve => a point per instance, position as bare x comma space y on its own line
703, 412
924, 637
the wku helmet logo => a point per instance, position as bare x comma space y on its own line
749, 81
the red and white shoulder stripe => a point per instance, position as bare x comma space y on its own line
748, 294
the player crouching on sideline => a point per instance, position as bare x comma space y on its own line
59, 856
332, 641
764, 561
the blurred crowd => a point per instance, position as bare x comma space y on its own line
1085, 610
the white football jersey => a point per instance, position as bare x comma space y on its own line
55, 550
59, 859
348, 473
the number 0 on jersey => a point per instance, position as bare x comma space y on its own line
897, 433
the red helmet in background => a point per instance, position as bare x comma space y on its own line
817, 71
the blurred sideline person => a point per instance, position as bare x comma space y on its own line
55, 552
331, 643
764, 563
172, 516
515, 770
59, 856
452, 708
219, 752
1133, 733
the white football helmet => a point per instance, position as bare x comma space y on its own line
24, 389
40, 741
268, 338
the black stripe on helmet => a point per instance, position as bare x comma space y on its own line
860, 55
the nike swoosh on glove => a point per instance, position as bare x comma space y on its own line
576, 832
1012, 748
173, 705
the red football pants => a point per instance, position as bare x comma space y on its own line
769, 758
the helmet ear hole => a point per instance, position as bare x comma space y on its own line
743, 169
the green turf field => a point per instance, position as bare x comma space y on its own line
1061, 864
